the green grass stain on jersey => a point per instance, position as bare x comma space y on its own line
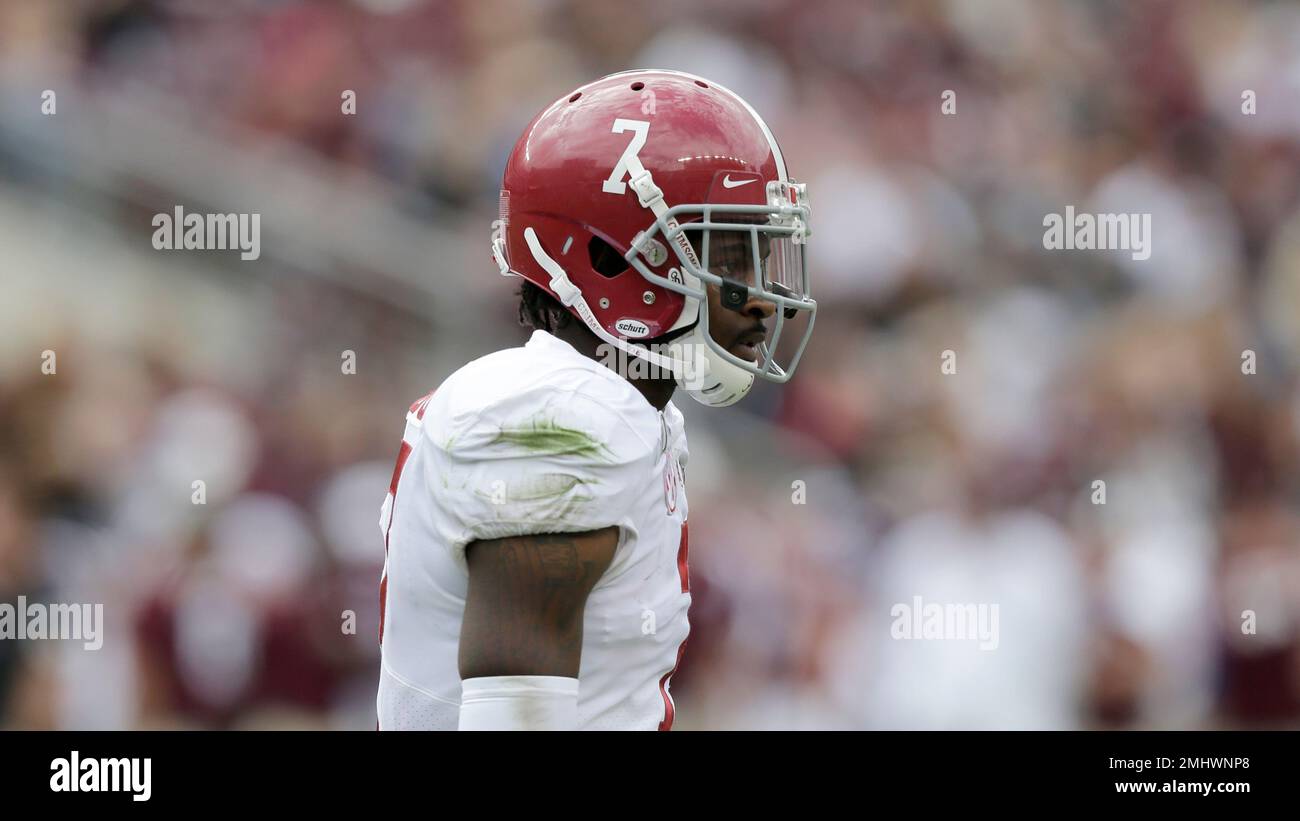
545, 486
543, 437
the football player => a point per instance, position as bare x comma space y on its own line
535, 529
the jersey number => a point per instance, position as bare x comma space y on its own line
417, 411
684, 573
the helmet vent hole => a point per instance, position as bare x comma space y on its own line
701, 84
604, 259
638, 85
575, 97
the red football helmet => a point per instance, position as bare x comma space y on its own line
601, 196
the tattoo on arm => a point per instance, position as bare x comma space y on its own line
527, 594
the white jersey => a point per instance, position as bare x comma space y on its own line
537, 439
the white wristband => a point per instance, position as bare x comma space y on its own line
519, 703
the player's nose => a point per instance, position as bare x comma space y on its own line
758, 308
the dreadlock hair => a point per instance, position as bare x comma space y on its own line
541, 311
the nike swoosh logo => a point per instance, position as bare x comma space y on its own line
728, 182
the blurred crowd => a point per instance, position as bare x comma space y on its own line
1112, 462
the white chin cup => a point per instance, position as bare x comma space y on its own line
718, 383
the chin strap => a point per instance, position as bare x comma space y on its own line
571, 296
652, 197
721, 383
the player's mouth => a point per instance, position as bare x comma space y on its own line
746, 345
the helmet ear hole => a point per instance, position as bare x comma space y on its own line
605, 260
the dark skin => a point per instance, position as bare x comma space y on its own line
524, 608
527, 594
